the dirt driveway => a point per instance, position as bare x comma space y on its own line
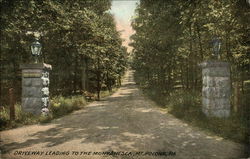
124, 125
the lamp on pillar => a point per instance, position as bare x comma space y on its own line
216, 42
35, 83
216, 84
36, 48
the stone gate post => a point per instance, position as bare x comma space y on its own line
35, 87
216, 90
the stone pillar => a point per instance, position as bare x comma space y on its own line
216, 90
35, 87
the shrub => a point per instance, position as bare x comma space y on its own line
4, 117
187, 106
59, 106
182, 104
21, 118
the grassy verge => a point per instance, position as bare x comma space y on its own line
186, 105
107, 93
59, 106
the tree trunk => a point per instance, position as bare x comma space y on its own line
1, 79
15, 81
87, 74
109, 82
75, 75
242, 81
182, 78
200, 43
83, 81
120, 80
98, 79
236, 95
191, 56
187, 74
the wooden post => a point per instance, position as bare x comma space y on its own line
12, 104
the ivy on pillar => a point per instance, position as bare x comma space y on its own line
35, 88
35, 83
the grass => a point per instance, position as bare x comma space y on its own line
107, 93
59, 106
21, 118
186, 105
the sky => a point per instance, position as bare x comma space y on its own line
123, 11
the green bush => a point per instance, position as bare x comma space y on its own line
21, 118
187, 105
4, 117
59, 106
183, 103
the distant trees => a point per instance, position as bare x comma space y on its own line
79, 40
173, 37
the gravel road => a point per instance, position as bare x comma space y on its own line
125, 125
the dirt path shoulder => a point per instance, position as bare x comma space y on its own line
122, 123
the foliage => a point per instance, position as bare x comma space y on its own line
172, 37
79, 40
4, 117
186, 105
59, 106
21, 118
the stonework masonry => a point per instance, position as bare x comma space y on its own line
216, 90
32, 85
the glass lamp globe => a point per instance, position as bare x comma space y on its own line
216, 46
36, 48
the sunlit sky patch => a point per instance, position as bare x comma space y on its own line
123, 10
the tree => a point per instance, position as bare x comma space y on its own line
172, 38
79, 40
